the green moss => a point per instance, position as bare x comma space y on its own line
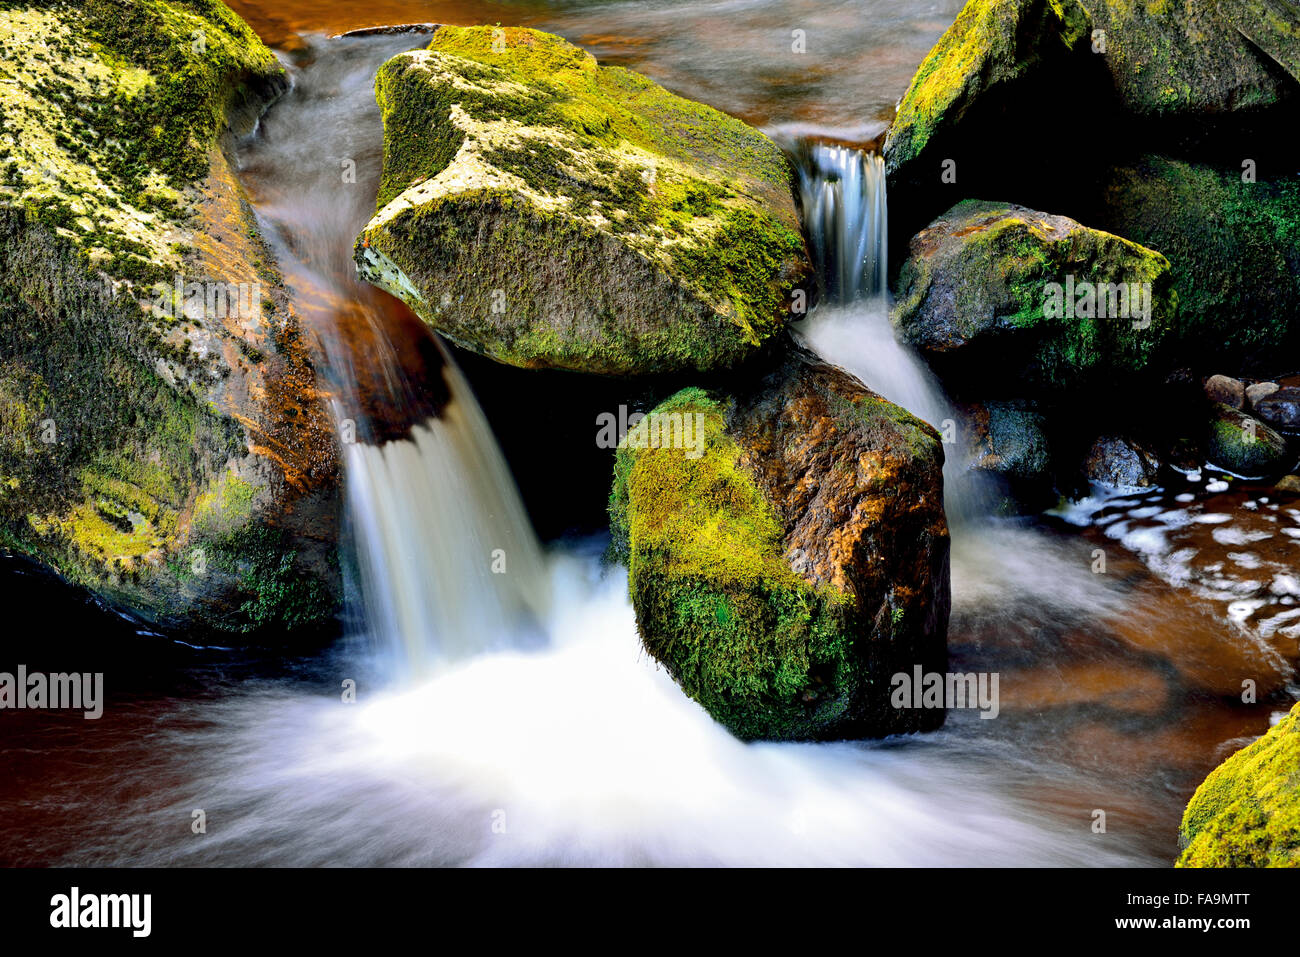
1215, 230
767, 654
992, 45
518, 144
1181, 57
279, 595
114, 115
1245, 446
989, 278
104, 135
1247, 812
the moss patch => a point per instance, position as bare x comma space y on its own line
766, 653
1234, 253
518, 143
1247, 812
981, 273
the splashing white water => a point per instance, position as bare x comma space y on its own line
581, 753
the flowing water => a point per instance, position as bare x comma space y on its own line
512, 718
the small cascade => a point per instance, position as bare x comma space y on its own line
846, 217
446, 560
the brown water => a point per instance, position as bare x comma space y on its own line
736, 55
1119, 690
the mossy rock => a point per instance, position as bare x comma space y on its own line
1192, 57
1105, 77
177, 462
1234, 254
1247, 812
550, 212
791, 562
993, 51
974, 296
1239, 443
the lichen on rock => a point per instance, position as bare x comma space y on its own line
787, 572
548, 211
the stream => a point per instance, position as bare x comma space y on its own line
514, 719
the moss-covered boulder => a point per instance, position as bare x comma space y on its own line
1181, 57
164, 444
1243, 445
1234, 254
995, 54
999, 297
789, 554
550, 212
1029, 99
1247, 812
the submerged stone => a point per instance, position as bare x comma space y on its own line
547, 211
786, 574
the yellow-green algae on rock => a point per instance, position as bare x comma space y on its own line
792, 556
1247, 812
992, 45
548, 211
174, 463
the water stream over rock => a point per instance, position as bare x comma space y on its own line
512, 718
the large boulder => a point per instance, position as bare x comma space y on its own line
1233, 248
163, 442
1247, 812
995, 55
998, 297
550, 212
791, 557
1197, 57
1216, 75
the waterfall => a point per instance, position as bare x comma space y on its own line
845, 217
447, 565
